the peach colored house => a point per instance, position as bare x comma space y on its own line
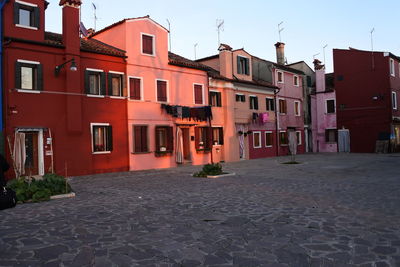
247, 113
323, 111
168, 112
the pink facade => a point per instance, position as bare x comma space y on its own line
323, 113
149, 68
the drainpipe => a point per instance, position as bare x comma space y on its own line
2, 4
276, 91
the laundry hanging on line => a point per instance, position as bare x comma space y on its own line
196, 113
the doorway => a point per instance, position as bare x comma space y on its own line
28, 151
186, 144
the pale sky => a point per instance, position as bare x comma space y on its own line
253, 24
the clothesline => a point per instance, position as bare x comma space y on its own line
196, 113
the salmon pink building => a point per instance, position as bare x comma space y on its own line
64, 100
246, 111
168, 116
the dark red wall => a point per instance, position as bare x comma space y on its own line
359, 77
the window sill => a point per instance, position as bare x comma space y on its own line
26, 27
205, 150
95, 96
149, 55
29, 91
163, 153
268, 146
284, 145
255, 147
101, 152
138, 153
117, 97
135, 100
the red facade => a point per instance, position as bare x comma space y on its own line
61, 122
364, 87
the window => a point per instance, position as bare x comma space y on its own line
330, 135
256, 139
217, 136
240, 98
162, 91
26, 15
296, 80
203, 138
243, 65
283, 138
115, 84
270, 104
28, 75
268, 139
297, 108
101, 137
198, 93
394, 100
298, 138
148, 44
280, 76
215, 99
253, 102
164, 139
330, 106
135, 88
282, 106
140, 139
391, 65
95, 82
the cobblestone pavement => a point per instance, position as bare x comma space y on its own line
331, 210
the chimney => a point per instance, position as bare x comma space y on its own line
225, 61
319, 76
280, 53
317, 65
70, 25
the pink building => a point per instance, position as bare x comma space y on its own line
168, 112
323, 111
247, 111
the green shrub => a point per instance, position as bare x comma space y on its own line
210, 169
39, 190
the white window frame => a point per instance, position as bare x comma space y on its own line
141, 88
26, 26
40, 147
298, 81
216, 91
391, 67
259, 139
154, 44
31, 91
240, 95
277, 76
326, 105
265, 138
99, 95
91, 136
202, 94
299, 142
394, 100
166, 92
281, 144
122, 84
266, 107
297, 112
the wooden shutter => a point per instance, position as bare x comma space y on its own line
162, 91
16, 13
36, 17
17, 75
134, 85
209, 138
256, 103
137, 135
219, 104
87, 82
123, 84
246, 70
39, 77
170, 138
221, 136
157, 140
239, 66
109, 138
110, 84
147, 42
197, 137
103, 89
144, 138
198, 94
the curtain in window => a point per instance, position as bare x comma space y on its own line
19, 153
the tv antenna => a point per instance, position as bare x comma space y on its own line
280, 30
220, 27
94, 15
323, 48
169, 35
372, 48
315, 55
195, 46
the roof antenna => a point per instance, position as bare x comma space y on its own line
195, 46
372, 49
280, 30
315, 55
169, 34
94, 15
220, 27
323, 48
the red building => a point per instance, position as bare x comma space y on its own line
367, 88
65, 103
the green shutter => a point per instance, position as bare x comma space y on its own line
103, 88
17, 75
109, 138
221, 136
219, 100
36, 17
239, 69
256, 103
87, 83
39, 77
124, 88
16, 13
246, 70
110, 89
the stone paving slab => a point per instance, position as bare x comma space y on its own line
330, 210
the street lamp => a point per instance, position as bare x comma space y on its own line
72, 67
